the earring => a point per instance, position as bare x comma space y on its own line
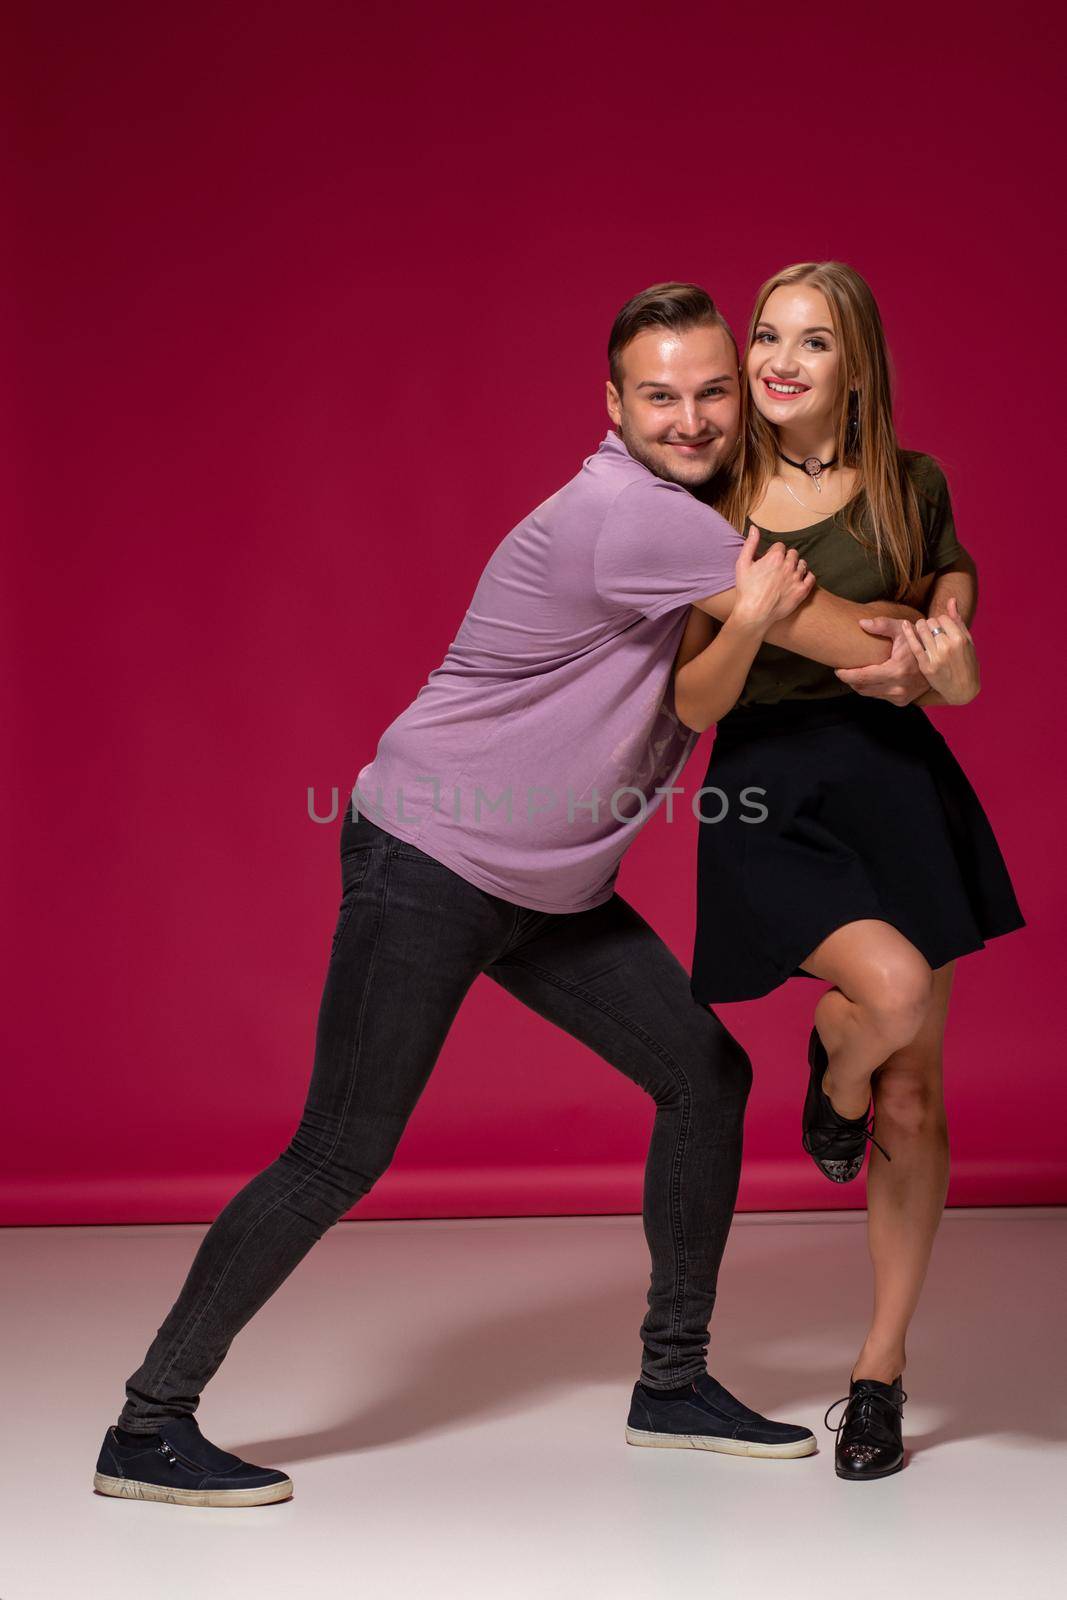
852, 425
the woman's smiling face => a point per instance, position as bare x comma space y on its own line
793, 364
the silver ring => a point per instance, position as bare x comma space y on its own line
936, 630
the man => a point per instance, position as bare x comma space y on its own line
485, 837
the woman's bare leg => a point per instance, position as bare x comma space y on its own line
883, 990
905, 1196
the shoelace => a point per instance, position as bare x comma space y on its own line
817, 1147
863, 1398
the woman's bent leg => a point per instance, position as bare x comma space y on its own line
883, 990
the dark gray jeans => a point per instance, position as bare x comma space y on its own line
410, 939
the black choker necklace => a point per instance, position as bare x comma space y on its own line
811, 465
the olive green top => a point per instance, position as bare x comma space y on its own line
842, 565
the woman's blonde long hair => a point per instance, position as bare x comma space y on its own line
864, 436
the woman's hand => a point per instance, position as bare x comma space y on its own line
770, 587
947, 660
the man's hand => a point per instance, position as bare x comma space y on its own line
899, 679
769, 587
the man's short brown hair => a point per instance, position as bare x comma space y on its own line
678, 306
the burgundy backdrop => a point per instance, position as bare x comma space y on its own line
307, 309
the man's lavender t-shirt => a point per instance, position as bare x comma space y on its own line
530, 759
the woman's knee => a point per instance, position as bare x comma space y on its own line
910, 1102
896, 993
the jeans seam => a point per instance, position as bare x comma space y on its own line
316, 1169
677, 1230
349, 891
514, 934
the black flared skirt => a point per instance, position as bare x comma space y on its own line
867, 814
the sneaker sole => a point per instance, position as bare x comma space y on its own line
726, 1447
131, 1489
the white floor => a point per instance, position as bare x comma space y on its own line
449, 1398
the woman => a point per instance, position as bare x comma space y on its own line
874, 867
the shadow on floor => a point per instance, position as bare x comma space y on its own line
789, 1319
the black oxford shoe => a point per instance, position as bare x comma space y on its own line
836, 1144
869, 1443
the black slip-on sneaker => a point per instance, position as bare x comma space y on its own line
711, 1418
180, 1466
836, 1144
869, 1438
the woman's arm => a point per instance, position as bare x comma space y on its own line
947, 660
898, 678
957, 582
713, 658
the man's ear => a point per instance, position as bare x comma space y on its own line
614, 403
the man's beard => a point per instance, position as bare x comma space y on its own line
715, 489
711, 491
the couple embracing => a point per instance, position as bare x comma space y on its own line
750, 547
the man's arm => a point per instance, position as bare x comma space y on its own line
824, 627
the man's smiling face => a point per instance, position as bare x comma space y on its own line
679, 406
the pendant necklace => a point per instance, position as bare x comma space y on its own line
787, 486
812, 466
